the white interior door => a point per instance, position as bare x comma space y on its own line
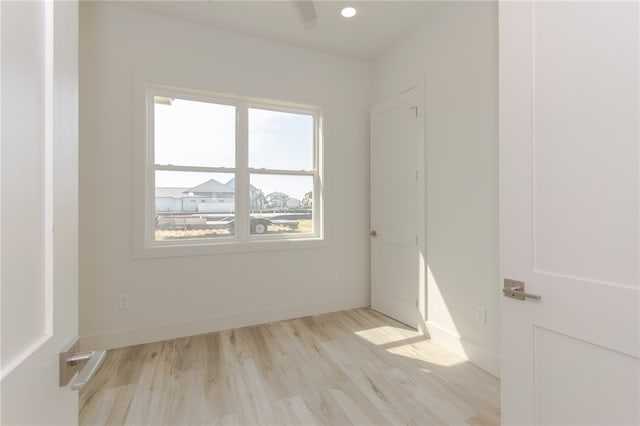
569, 175
38, 192
396, 182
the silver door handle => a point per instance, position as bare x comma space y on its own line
70, 362
515, 290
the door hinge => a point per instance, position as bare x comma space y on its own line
415, 108
416, 175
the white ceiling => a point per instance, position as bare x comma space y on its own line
377, 26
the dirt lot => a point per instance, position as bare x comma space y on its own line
304, 227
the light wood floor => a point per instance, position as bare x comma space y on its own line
348, 368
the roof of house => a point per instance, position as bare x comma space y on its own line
232, 184
211, 186
277, 195
170, 192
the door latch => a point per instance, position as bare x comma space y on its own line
515, 290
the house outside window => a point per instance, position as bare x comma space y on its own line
225, 170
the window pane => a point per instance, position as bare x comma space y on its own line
190, 133
194, 205
281, 204
280, 140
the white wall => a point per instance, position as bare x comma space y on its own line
181, 296
455, 53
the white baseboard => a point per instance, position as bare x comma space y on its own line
122, 338
462, 347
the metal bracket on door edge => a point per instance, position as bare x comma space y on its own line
70, 360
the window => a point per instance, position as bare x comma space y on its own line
224, 170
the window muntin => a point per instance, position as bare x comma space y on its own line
267, 148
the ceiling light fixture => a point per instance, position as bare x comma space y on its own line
348, 12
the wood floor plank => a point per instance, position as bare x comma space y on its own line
118, 413
294, 411
429, 405
254, 405
358, 375
317, 367
93, 393
228, 420
148, 405
101, 409
357, 407
323, 405
354, 367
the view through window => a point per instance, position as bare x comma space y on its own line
206, 154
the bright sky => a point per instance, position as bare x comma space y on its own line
189, 133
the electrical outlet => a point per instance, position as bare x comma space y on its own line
481, 315
335, 278
123, 301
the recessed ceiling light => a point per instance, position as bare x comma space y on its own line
348, 12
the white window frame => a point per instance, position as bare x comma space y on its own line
145, 245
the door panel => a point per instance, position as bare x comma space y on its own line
395, 206
23, 238
585, 89
570, 215
38, 193
563, 385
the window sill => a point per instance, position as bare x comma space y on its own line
230, 247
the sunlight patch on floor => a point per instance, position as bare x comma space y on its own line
428, 352
385, 334
409, 344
